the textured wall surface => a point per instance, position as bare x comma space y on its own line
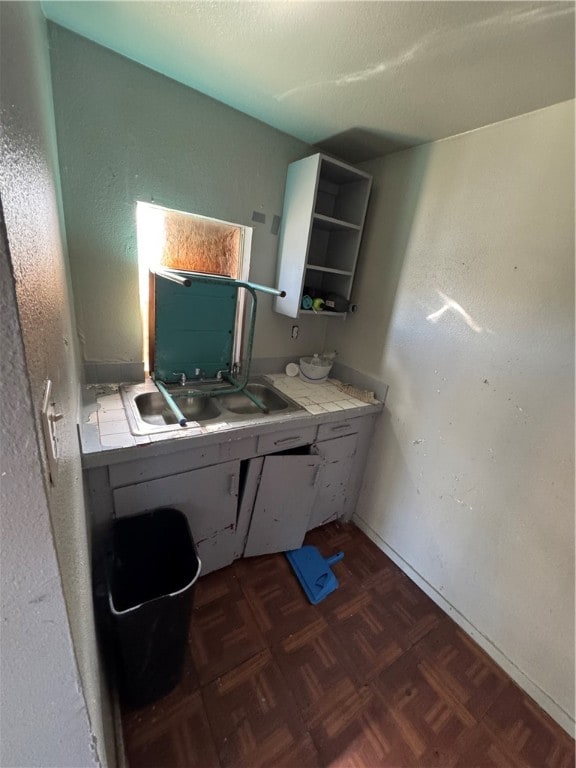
46, 721
126, 133
361, 77
466, 295
43, 715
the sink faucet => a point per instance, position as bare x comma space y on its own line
199, 374
181, 376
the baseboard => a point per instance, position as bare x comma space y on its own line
555, 711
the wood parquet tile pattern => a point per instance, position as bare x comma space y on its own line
375, 676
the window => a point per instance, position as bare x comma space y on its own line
187, 241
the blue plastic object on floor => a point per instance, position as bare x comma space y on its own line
313, 572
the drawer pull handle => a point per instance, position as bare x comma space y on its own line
233, 485
287, 440
341, 426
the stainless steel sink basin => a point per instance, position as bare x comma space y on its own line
239, 403
152, 409
148, 412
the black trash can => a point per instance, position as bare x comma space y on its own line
151, 585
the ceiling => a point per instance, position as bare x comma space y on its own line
357, 79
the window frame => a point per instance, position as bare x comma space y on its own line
145, 265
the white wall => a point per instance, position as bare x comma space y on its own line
466, 296
51, 699
126, 133
43, 716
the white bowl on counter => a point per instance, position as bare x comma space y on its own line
314, 369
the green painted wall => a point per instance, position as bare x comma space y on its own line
126, 133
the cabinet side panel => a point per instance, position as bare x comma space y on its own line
100, 506
299, 196
364, 437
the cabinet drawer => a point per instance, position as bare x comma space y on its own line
337, 429
280, 441
131, 472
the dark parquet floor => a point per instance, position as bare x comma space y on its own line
375, 675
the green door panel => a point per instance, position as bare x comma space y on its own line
194, 329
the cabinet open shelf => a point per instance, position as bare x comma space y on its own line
333, 248
324, 209
324, 313
327, 222
329, 269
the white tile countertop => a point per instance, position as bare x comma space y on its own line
105, 427
325, 397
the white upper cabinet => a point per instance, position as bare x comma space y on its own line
324, 209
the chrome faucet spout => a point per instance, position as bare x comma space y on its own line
181, 378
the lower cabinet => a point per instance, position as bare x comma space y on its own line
299, 492
209, 499
283, 503
256, 504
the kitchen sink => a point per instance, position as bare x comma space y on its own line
148, 412
239, 403
152, 408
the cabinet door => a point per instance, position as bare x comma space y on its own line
246, 502
338, 459
209, 499
295, 230
283, 504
